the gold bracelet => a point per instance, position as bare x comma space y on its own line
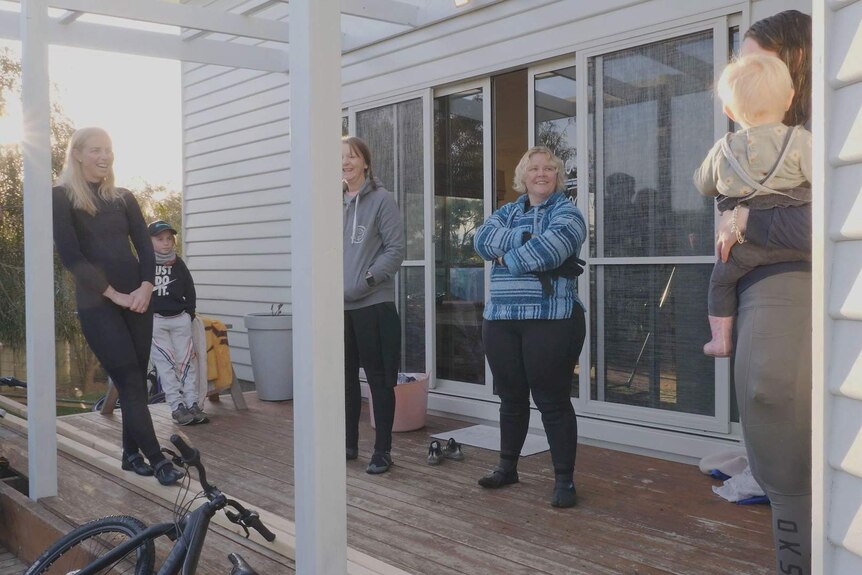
740, 237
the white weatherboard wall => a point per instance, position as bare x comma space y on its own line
837, 444
237, 189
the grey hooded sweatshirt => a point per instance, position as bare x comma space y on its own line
373, 242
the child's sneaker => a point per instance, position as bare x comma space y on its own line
435, 453
182, 416
452, 450
199, 414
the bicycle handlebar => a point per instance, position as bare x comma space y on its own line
248, 518
192, 457
12, 382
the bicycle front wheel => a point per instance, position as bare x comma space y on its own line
83, 545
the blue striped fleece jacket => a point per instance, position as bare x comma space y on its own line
558, 231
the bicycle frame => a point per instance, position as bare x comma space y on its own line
189, 541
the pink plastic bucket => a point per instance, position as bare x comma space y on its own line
411, 404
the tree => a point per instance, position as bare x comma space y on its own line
12, 311
160, 203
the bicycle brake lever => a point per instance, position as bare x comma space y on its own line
175, 457
232, 517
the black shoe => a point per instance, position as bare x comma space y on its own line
564, 495
499, 477
380, 463
352, 453
452, 450
435, 453
166, 473
135, 462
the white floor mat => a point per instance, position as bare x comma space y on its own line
488, 437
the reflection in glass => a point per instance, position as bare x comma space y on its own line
345, 126
411, 308
458, 212
394, 135
653, 123
556, 125
653, 331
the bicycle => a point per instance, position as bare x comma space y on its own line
16, 383
155, 393
91, 548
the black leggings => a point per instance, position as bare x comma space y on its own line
121, 340
537, 356
372, 340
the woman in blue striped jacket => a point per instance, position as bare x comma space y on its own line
534, 324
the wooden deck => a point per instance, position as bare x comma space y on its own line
9, 564
636, 515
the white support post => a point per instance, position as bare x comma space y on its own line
38, 252
317, 290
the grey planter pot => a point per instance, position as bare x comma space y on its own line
270, 342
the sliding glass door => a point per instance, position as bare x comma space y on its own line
461, 186
652, 118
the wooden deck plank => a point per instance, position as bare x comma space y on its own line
10, 564
635, 514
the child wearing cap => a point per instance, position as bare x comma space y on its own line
173, 313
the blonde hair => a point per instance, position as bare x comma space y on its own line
72, 176
521, 168
755, 86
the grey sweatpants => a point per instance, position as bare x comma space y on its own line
772, 368
173, 354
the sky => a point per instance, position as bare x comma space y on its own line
136, 99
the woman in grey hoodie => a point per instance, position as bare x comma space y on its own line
373, 252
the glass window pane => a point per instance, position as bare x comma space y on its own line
458, 211
653, 330
556, 125
411, 308
652, 116
394, 135
651, 123
377, 128
411, 176
345, 126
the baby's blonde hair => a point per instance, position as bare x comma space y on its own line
755, 86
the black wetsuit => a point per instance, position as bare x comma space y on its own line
96, 249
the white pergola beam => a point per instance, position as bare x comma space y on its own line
69, 17
38, 252
317, 293
390, 11
182, 15
246, 9
153, 44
